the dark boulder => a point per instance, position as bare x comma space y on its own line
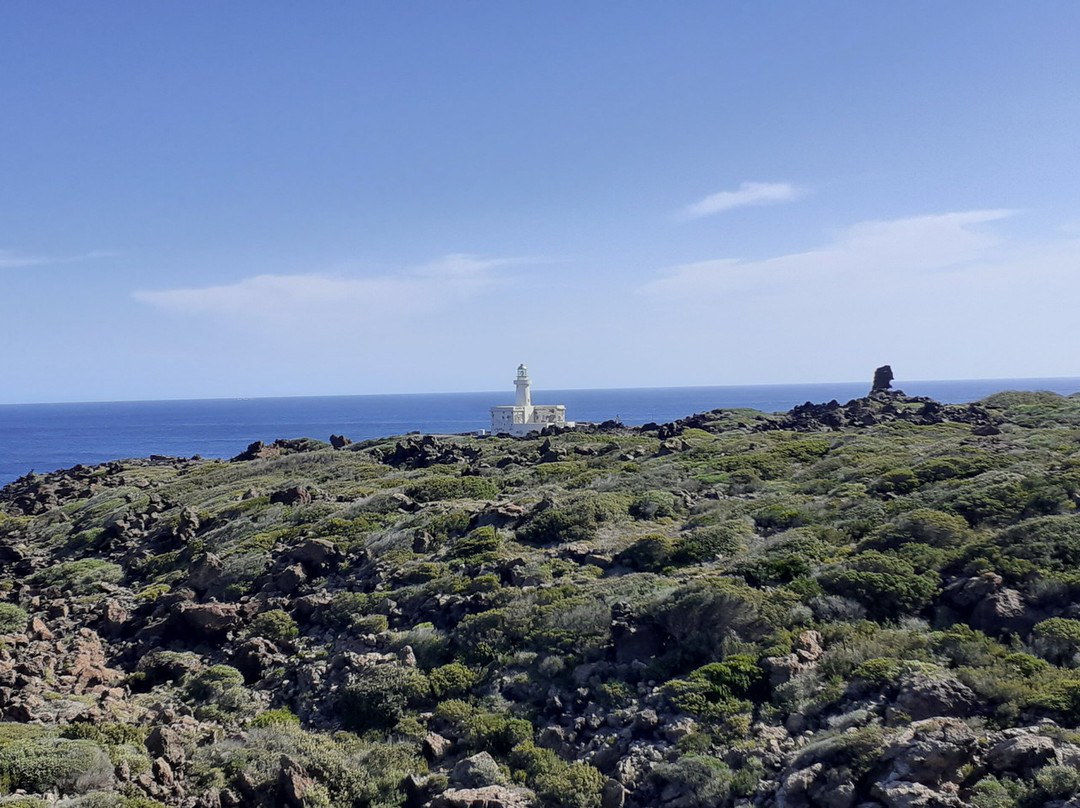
297, 495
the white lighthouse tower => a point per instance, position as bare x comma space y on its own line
521, 417
522, 383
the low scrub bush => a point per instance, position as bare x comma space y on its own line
650, 553
452, 680
577, 521
705, 780
1057, 639
218, 693
653, 505
1048, 542
48, 764
886, 585
922, 526
556, 782
281, 716
706, 543
477, 547
444, 487
710, 690
80, 577
347, 770
12, 618
378, 698
275, 625
703, 617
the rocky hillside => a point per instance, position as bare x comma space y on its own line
870, 604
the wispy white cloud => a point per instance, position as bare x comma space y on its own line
13, 259
953, 295
867, 250
434, 285
461, 265
10, 259
749, 193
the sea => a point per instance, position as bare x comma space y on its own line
46, 437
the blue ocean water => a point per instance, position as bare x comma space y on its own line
45, 437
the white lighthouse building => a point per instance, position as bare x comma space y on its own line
523, 417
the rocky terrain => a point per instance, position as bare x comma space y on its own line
871, 604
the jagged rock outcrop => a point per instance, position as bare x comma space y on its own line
420, 453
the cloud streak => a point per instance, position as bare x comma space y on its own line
13, 259
428, 287
948, 295
749, 193
865, 251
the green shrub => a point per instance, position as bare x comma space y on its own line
879, 670
275, 625
804, 450
924, 526
282, 716
731, 678
577, 521
990, 792
897, 481
1057, 782
219, 694
556, 525
108, 733
168, 666
775, 518
650, 553
54, 763
1060, 695
1061, 629
703, 616
653, 505
706, 543
343, 608
454, 711
210, 682
347, 770
451, 680
998, 499
477, 547
12, 618
885, 584
370, 623
80, 576
849, 754
705, 780
710, 690
1057, 638
496, 732
556, 782
753, 465
939, 468
445, 526
378, 698
444, 487
774, 568
1048, 542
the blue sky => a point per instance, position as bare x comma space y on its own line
206, 199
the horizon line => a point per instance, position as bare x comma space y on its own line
896, 386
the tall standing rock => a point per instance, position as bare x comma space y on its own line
883, 377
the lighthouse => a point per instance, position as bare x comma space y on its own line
522, 417
522, 383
